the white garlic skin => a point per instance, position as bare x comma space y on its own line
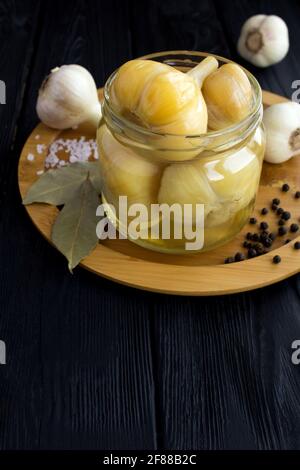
264, 40
68, 97
282, 124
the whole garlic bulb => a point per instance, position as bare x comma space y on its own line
282, 123
264, 40
165, 101
68, 97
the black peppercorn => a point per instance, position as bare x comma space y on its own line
264, 211
267, 242
282, 231
259, 249
276, 201
264, 225
285, 188
274, 207
281, 222
286, 215
229, 260
297, 245
252, 253
287, 241
253, 220
263, 236
249, 235
272, 236
276, 259
297, 194
239, 257
255, 237
280, 211
257, 245
294, 228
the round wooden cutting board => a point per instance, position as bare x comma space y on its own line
192, 274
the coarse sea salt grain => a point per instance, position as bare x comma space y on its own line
37, 137
40, 148
30, 157
75, 150
40, 172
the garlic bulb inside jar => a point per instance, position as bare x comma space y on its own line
234, 179
124, 173
186, 183
166, 101
226, 184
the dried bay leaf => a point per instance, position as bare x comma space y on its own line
57, 186
95, 174
74, 230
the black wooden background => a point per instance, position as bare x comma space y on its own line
91, 364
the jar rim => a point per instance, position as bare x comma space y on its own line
254, 114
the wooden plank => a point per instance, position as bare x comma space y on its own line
17, 32
79, 371
227, 381
170, 25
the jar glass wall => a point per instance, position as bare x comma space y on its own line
220, 169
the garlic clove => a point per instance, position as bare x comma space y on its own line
282, 124
264, 40
68, 97
228, 96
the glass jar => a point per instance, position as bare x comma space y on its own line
219, 170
